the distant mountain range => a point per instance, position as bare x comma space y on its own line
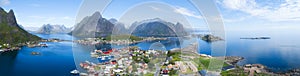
93, 26
158, 28
53, 29
96, 26
10, 31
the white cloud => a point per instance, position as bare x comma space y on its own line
187, 12
236, 19
4, 2
154, 8
287, 11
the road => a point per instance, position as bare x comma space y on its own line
157, 67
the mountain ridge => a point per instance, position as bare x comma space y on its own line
93, 26
53, 29
96, 26
10, 31
158, 28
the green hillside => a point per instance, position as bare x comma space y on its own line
10, 32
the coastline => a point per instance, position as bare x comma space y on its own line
30, 44
95, 41
234, 60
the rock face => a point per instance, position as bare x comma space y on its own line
53, 29
233, 60
210, 38
94, 26
10, 31
157, 28
119, 27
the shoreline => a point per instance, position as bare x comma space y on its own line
30, 44
237, 59
95, 41
234, 60
265, 69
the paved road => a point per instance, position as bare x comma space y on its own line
157, 70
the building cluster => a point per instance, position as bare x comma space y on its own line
95, 41
118, 62
37, 45
134, 61
8, 47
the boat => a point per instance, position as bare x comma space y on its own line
35, 53
87, 62
93, 53
31, 46
84, 74
43, 45
75, 72
103, 58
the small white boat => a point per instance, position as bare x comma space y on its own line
84, 74
103, 58
87, 62
75, 72
1, 50
93, 53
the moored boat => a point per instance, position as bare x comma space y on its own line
75, 72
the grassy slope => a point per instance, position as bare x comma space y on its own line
14, 34
123, 37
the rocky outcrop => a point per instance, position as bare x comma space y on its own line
210, 38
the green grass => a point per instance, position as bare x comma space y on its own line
10, 34
13, 35
175, 56
205, 62
236, 72
123, 37
149, 74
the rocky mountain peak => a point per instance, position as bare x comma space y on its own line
10, 31
97, 14
11, 19
93, 26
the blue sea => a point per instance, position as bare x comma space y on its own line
280, 53
55, 60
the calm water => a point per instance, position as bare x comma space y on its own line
55, 60
280, 53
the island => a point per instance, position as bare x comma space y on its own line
255, 38
208, 37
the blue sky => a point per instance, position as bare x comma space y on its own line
35, 13
237, 14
